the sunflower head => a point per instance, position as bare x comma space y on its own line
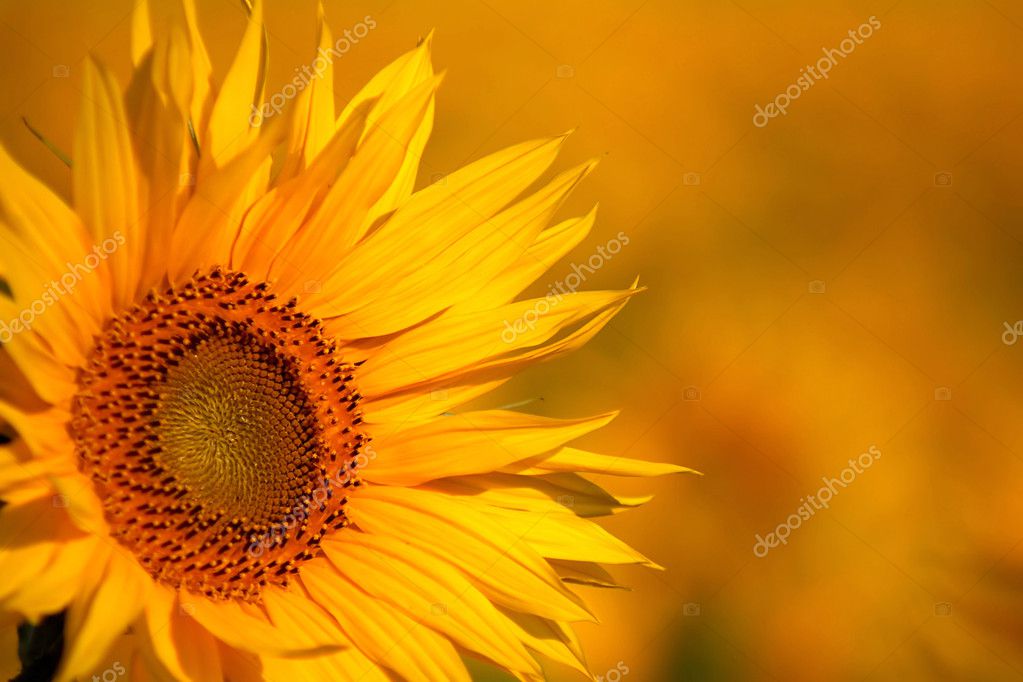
238, 355
205, 415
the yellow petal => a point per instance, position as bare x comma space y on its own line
16, 473
15, 389
389, 86
84, 507
51, 379
202, 70
32, 530
383, 633
394, 81
42, 240
349, 664
55, 584
455, 274
198, 651
313, 121
230, 131
550, 246
104, 180
157, 624
209, 224
243, 665
415, 407
291, 609
566, 536
563, 493
471, 442
426, 226
116, 593
549, 638
584, 573
572, 459
503, 365
141, 31
45, 435
332, 230
430, 591
38, 326
150, 26
159, 101
282, 214
458, 531
451, 345
242, 630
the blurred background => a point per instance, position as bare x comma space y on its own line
845, 276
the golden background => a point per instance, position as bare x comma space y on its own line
837, 279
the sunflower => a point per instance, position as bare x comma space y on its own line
233, 370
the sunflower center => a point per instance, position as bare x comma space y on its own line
236, 426
221, 431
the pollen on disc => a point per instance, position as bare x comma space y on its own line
220, 428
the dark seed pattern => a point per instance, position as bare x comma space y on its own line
221, 430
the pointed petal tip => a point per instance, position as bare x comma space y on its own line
632, 502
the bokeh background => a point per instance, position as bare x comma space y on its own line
838, 279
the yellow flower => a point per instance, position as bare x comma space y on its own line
231, 369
